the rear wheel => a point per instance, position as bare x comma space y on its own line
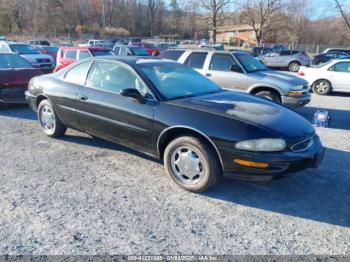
192, 164
322, 87
269, 96
49, 121
294, 66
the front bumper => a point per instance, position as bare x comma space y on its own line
12, 95
280, 163
297, 101
31, 100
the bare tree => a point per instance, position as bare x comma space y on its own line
260, 14
215, 8
342, 12
153, 7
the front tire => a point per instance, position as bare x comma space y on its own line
49, 121
192, 164
322, 87
269, 96
294, 67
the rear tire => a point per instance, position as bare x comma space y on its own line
294, 66
49, 121
192, 164
269, 96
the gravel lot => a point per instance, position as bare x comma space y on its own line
79, 195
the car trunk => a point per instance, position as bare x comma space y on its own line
14, 82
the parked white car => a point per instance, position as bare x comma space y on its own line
333, 76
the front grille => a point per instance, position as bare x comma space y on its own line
303, 145
43, 60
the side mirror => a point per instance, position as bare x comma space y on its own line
133, 93
236, 68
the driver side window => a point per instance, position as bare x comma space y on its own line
112, 77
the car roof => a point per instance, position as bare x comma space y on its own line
84, 48
131, 60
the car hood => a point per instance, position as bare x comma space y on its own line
274, 118
279, 79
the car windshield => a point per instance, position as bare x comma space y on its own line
175, 81
24, 49
139, 51
13, 61
250, 63
102, 52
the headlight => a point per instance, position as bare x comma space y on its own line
297, 88
262, 145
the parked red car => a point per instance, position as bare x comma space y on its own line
150, 48
70, 54
15, 74
48, 50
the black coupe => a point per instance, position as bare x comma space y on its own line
174, 113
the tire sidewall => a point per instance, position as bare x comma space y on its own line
40, 107
329, 90
205, 159
290, 67
268, 95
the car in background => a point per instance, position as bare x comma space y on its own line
165, 46
48, 50
241, 71
91, 42
118, 41
344, 50
33, 56
333, 76
15, 74
70, 54
325, 57
291, 60
170, 111
279, 47
2, 38
260, 50
149, 47
39, 42
128, 50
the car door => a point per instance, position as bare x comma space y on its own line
64, 93
219, 71
339, 75
104, 112
196, 61
69, 57
272, 59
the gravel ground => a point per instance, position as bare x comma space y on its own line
79, 195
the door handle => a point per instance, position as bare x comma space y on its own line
82, 97
208, 74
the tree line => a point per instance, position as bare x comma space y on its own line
287, 21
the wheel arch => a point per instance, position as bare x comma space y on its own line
170, 133
321, 79
257, 89
40, 98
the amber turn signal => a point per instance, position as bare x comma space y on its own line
294, 93
250, 163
